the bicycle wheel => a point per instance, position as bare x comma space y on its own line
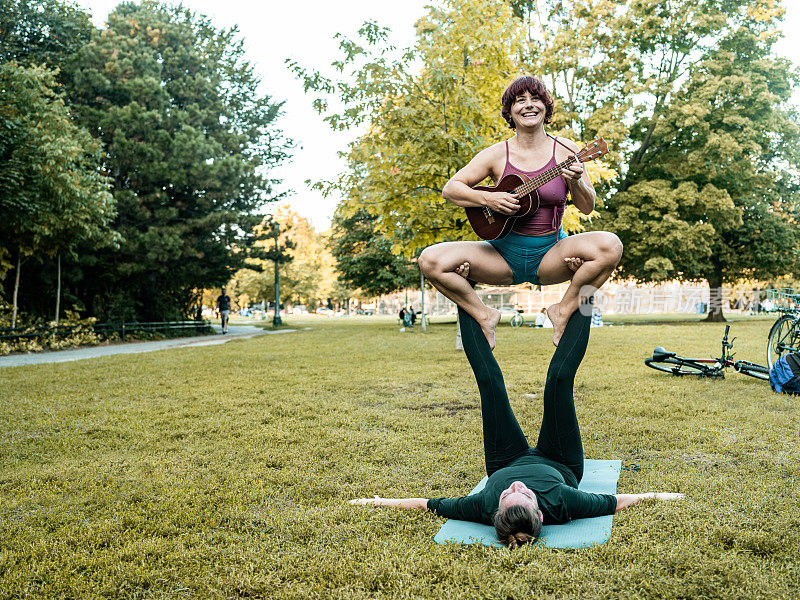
783, 337
752, 369
679, 367
517, 320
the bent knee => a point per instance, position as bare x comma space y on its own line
611, 248
428, 261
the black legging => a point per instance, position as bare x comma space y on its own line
559, 436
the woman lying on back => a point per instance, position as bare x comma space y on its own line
527, 487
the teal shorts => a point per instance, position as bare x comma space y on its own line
523, 253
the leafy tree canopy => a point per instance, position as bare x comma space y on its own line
33, 32
306, 266
708, 193
687, 92
431, 109
365, 260
52, 192
190, 140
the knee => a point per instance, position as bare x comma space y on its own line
561, 378
428, 261
611, 248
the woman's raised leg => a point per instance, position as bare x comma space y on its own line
560, 436
503, 440
600, 252
439, 264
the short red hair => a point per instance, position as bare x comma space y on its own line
536, 89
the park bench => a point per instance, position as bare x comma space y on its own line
105, 330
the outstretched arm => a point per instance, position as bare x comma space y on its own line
626, 500
404, 503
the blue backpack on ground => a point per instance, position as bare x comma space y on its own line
784, 376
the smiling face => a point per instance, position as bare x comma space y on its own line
528, 111
524, 90
518, 493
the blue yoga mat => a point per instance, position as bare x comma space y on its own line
599, 477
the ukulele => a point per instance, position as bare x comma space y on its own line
491, 225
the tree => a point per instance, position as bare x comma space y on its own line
707, 194
364, 258
422, 127
426, 123
35, 32
306, 265
53, 194
657, 79
190, 142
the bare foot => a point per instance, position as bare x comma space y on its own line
489, 324
559, 321
574, 263
463, 270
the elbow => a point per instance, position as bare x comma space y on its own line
447, 190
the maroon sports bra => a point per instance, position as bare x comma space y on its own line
552, 200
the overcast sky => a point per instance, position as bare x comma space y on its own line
303, 31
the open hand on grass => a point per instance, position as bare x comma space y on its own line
404, 503
364, 501
626, 500
664, 496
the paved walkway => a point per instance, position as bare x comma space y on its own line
235, 332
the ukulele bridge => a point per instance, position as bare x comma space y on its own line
489, 216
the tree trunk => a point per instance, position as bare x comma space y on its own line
16, 291
715, 298
58, 288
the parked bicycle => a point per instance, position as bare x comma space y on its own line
670, 362
784, 336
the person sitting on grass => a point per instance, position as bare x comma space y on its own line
527, 487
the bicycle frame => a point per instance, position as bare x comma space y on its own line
670, 362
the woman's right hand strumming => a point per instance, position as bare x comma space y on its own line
501, 202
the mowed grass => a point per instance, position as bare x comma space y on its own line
224, 471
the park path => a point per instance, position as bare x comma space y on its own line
235, 332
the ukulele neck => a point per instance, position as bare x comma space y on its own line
542, 178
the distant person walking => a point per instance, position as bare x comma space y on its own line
224, 307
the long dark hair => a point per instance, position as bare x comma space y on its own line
531, 85
517, 525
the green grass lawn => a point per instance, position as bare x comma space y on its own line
224, 471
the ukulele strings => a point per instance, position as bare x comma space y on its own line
543, 178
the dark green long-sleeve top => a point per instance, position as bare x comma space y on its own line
555, 487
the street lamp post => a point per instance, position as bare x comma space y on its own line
276, 317
422, 289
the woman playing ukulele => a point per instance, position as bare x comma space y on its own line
536, 250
